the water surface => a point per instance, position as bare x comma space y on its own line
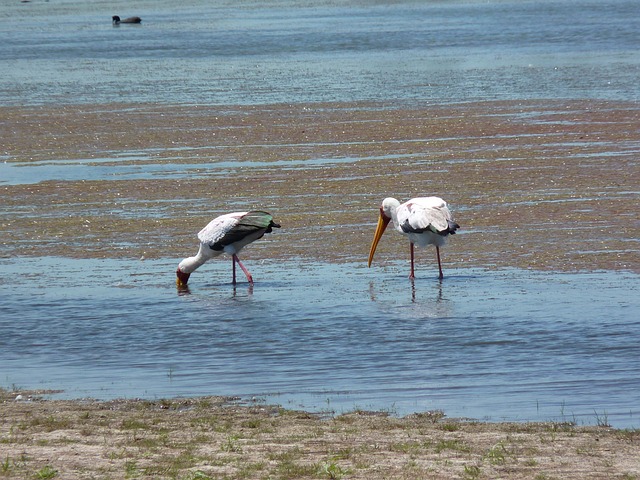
294, 51
498, 345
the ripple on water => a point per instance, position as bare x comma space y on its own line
505, 344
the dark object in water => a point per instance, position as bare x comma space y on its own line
116, 20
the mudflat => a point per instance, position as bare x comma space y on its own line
542, 185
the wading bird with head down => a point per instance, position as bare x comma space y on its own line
227, 234
423, 220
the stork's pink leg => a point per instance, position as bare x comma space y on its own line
412, 274
439, 263
233, 263
246, 272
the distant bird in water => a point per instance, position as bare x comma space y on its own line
227, 234
116, 20
423, 220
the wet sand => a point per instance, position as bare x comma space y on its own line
542, 185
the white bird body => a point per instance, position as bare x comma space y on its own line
423, 220
229, 234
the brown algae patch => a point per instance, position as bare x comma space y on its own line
544, 185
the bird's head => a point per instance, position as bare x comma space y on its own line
383, 222
182, 278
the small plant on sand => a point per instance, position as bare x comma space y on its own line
51, 423
287, 466
450, 427
406, 447
542, 476
455, 445
292, 470
46, 472
133, 424
496, 454
471, 472
432, 416
332, 470
231, 445
130, 469
602, 420
198, 475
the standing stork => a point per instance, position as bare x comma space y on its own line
227, 234
423, 220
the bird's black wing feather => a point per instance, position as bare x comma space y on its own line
451, 228
252, 223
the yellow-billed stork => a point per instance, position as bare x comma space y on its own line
227, 234
423, 220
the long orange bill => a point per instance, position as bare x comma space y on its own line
383, 221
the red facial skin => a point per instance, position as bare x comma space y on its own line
182, 278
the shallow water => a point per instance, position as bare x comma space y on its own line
497, 345
140, 165
294, 51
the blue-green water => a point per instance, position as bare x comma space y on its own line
253, 52
504, 344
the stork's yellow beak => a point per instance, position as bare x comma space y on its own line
383, 221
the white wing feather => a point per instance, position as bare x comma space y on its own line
422, 212
218, 227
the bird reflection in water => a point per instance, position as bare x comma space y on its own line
440, 305
183, 290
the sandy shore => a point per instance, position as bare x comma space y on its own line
215, 438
